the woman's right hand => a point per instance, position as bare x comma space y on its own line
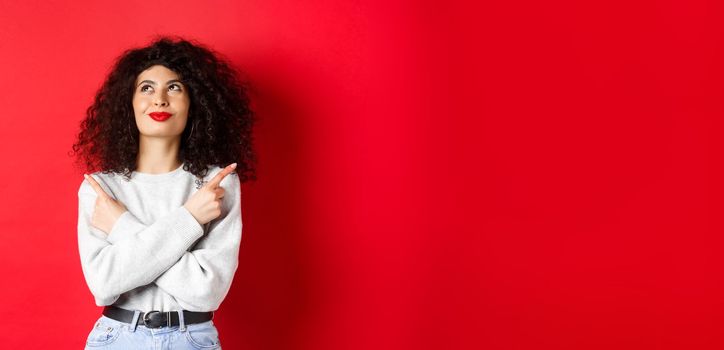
107, 210
205, 204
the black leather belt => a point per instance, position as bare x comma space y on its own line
157, 319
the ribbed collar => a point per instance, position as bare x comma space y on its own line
163, 177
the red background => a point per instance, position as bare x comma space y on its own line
527, 175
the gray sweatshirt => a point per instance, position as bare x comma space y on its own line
157, 256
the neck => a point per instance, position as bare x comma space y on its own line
158, 155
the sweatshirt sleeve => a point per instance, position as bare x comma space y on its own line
113, 266
201, 278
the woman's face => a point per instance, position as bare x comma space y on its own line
158, 89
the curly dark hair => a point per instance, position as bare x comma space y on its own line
219, 112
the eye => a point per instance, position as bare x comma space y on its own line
143, 88
176, 85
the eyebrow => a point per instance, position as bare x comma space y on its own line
154, 83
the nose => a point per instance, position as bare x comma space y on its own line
160, 99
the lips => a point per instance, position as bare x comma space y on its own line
160, 116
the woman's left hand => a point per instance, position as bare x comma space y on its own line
107, 210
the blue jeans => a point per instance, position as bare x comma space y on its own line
108, 333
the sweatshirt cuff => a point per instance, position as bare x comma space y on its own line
125, 226
190, 229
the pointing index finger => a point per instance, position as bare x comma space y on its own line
96, 187
220, 176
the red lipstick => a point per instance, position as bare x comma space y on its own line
160, 116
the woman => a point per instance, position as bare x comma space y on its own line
159, 226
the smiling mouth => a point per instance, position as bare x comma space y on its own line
159, 116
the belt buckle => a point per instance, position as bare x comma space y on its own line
147, 321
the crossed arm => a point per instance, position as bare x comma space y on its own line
133, 254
